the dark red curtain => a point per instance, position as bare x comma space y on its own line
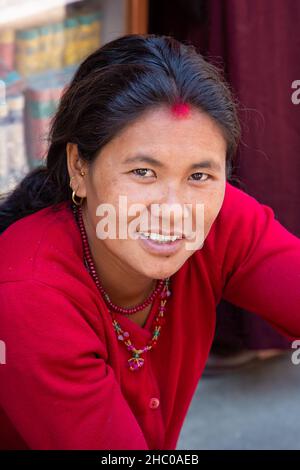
258, 44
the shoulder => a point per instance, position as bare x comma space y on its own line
241, 215
39, 243
242, 225
237, 203
42, 275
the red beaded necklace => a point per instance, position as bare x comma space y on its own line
136, 361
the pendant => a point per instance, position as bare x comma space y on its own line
135, 363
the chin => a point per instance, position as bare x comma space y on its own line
162, 269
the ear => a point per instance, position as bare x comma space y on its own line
77, 169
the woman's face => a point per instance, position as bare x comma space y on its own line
176, 143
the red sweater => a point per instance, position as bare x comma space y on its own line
65, 384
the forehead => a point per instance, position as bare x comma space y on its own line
161, 128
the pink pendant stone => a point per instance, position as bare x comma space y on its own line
165, 294
135, 363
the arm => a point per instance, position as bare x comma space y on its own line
261, 262
56, 387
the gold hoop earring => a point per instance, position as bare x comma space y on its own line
74, 200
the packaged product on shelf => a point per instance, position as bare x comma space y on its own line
37, 60
71, 55
42, 98
13, 160
96, 28
16, 152
57, 46
52, 45
82, 33
14, 83
85, 35
39, 109
46, 41
90, 30
3, 149
28, 60
7, 47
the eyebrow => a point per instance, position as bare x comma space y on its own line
205, 164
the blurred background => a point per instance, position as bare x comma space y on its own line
41, 44
248, 397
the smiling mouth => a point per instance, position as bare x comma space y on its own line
161, 238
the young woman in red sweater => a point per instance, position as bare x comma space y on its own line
106, 338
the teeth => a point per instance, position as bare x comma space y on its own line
160, 238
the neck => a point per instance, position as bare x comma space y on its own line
124, 287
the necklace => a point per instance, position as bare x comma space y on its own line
135, 362
90, 266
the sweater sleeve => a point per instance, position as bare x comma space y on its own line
261, 262
56, 386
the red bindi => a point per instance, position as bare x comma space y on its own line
180, 109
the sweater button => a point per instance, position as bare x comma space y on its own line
154, 403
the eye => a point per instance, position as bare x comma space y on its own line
140, 172
199, 177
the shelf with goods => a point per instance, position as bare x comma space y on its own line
40, 49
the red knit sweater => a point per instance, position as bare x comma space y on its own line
65, 384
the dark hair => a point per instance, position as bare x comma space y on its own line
110, 89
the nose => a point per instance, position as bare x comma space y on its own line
170, 205
170, 194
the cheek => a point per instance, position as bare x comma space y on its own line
120, 196
212, 209
212, 202
104, 186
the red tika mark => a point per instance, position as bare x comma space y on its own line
180, 109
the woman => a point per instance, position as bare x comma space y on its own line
106, 338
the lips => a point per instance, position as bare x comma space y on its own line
160, 248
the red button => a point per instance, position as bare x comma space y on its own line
154, 403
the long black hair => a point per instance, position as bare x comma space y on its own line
110, 89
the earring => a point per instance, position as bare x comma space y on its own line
74, 194
82, 174
76, 202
